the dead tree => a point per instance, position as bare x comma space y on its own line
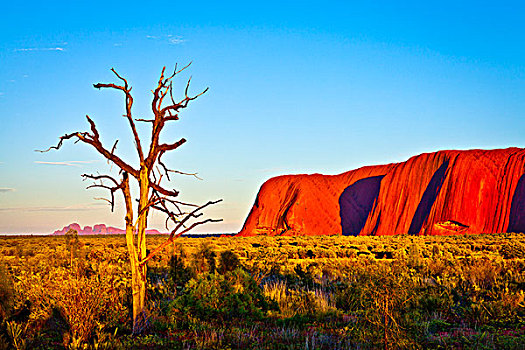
148, 175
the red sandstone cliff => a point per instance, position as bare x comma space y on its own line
446, 192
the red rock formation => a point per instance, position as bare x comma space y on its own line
446, 192
99, 229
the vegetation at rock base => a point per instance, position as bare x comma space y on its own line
329, 292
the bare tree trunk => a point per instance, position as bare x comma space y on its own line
138, 287
151, 193
138, 272
138, 269
138, 284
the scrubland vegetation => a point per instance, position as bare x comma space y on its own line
460, 292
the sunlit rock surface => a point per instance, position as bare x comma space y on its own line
441, 193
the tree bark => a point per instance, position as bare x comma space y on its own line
138, 288
138, 272
151, 193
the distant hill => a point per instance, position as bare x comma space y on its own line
99, 229
440, 193
102, 229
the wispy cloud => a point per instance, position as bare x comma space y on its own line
58, 48
7, 189
176, 40
80, 207
75, 163
171, 39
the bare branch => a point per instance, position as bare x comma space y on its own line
162, 115
118, 76
171, 239
183, 173
187, 98
200, 94
182, 69
111, 189
152, 203
192, 215
173, 233
175, 72
174, 107
129, 104
149, 175
114, 147
93, 128
60, 142
94, 141
171, 117
169, 147
164, 191
101, 178
103, 199
163, 94
156, 96
187, 87
109, 86
171, 94
110, 156
170, 214
197, 224
167, 171
177, 203
160, 203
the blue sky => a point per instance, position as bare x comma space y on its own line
295, 87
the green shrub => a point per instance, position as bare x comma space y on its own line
72, 244
204, 260
234, 295
178, 273
88, 302
228, 261
7, 293
513, 250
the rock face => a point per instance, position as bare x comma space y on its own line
100, 229
441, 193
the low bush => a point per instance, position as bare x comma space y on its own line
268, 292
234, 295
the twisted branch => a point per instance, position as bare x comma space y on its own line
152, 194
111, 189
129, 104
180, 224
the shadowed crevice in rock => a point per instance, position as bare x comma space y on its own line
428, 199
290, 199
356, 202
374, 230
517, 208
